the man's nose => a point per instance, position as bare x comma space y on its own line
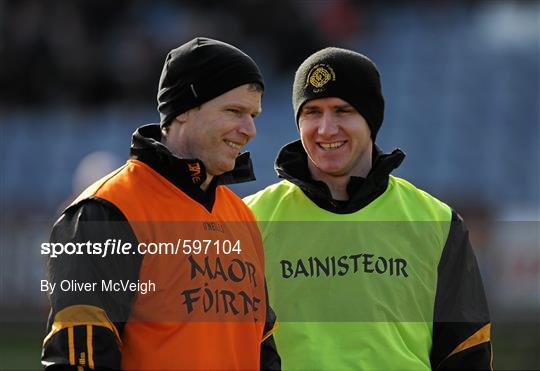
248, 127
327, 125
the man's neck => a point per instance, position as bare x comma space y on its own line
337, 184
204, 185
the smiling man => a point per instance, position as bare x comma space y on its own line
365, 271
187, 235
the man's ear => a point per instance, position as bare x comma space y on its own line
182, 118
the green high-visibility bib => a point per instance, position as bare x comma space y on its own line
352, 291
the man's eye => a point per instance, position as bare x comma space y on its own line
233, 110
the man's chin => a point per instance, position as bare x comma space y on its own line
332, 170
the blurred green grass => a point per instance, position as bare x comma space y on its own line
20, 346
516, 346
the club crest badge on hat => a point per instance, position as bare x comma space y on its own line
319, 76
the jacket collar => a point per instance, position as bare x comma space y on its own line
185, 174
291, 164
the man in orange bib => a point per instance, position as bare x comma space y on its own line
159, 266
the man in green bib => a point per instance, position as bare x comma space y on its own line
364, 270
